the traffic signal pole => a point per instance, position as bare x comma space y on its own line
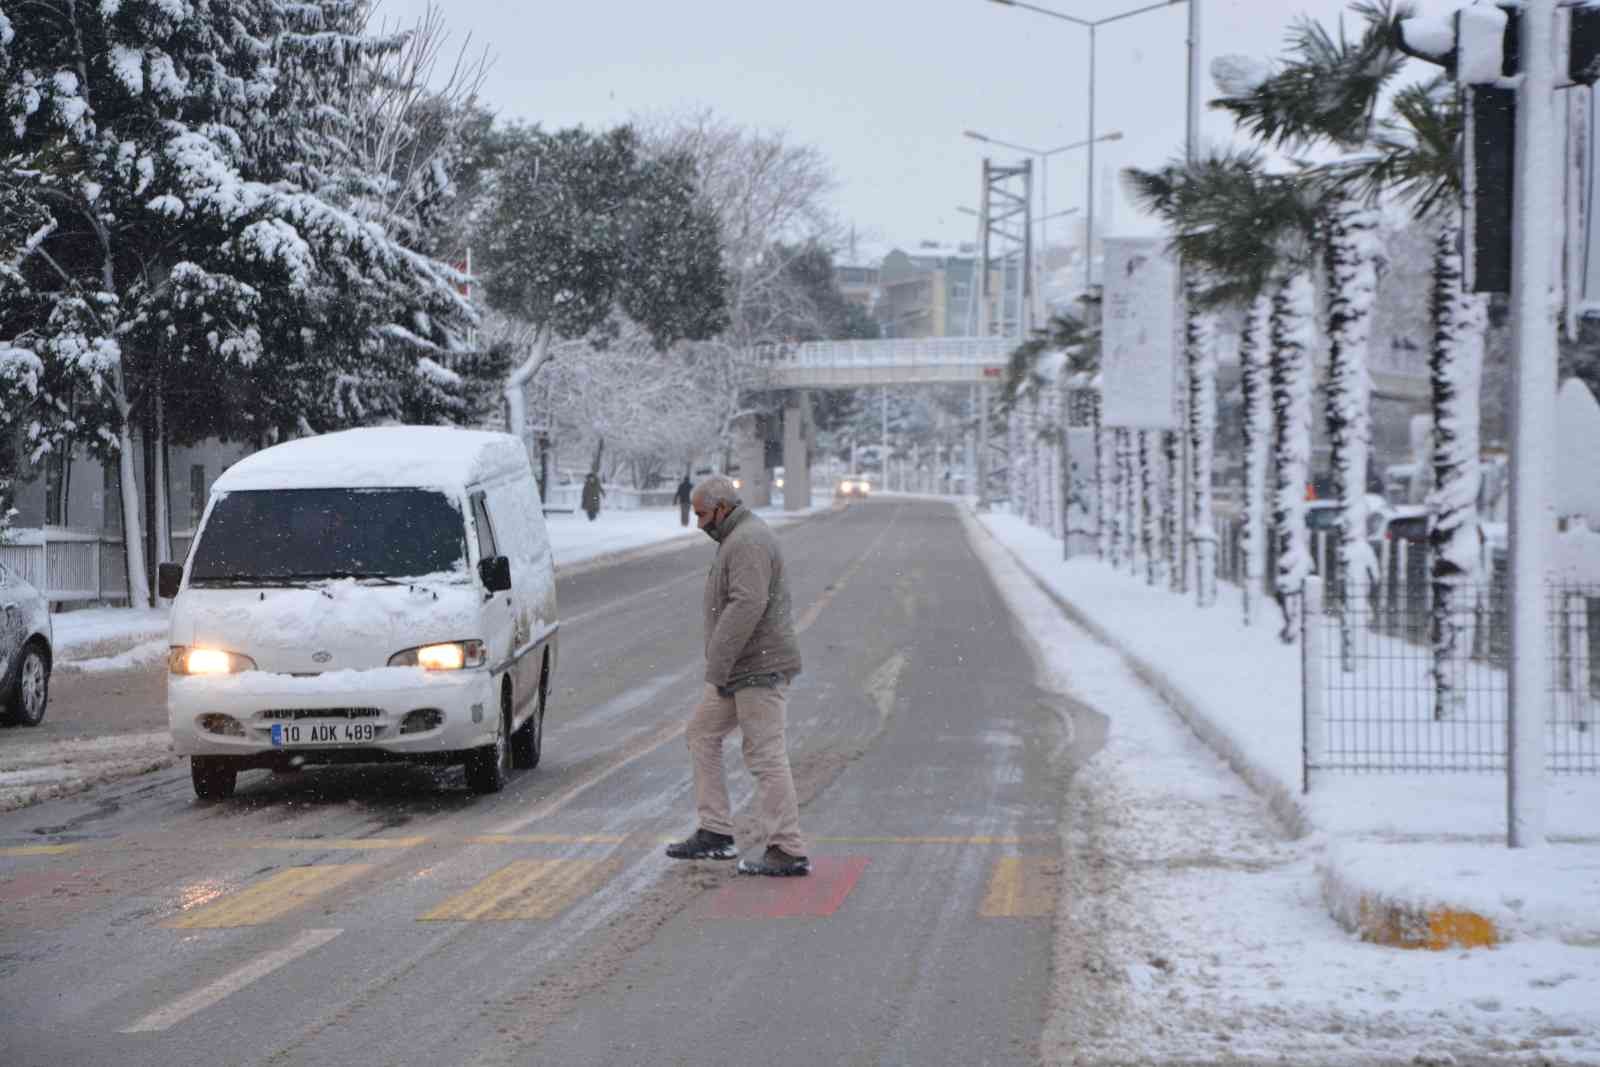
1533, 244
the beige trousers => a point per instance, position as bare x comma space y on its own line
759, 715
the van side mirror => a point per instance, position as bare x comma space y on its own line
169, 576
495, 573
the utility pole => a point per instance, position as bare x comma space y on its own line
1005, 215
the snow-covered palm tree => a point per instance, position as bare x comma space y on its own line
1417, 155
1325, 93
1251, 236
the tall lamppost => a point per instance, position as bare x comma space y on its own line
1192, 152
1194, 94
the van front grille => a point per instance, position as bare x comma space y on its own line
295, 714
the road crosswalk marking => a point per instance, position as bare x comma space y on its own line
270, 899
1020, 887
526, 889
341, 843
38, 850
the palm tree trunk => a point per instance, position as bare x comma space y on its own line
1293, 340
1455, 367
1255, 360
1353, 258
1169, 512
1200, 354
1150, 528
1105, 485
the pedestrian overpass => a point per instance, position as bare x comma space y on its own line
970, 361
982, 361
902, 361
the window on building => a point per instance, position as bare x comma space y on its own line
197, 494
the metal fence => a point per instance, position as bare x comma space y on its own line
1394, 686
68, 564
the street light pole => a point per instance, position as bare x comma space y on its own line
1191, 152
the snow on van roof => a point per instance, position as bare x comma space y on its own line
378, 457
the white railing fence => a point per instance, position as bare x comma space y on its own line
67, 564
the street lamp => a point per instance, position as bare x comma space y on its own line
1194, 93
1044, 177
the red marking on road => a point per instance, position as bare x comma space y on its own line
818, 894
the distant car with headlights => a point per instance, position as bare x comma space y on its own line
373, 595
854, 487
25, 650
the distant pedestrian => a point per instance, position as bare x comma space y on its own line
592, 492
751, 656
681, 498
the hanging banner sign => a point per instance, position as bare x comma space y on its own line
1140, 371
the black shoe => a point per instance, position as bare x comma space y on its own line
776, 863
703, 845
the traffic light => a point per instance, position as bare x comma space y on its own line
1478, 46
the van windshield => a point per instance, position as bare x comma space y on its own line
288, 535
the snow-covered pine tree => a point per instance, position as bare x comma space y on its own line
194, 275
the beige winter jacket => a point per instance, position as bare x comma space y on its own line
749, 622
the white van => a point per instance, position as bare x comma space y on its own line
372, 595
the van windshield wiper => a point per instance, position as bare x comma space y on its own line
273, 580
365, 576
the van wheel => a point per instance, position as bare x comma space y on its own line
527, 744
489, 767
214, 777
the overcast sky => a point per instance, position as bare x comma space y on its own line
883, 87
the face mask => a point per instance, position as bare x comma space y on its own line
710, 530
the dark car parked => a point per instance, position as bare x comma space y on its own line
25, 652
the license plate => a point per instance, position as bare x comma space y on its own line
323, 733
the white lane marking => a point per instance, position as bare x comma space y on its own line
231, 983
616, 605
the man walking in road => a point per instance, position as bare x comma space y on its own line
681, 498
751, 656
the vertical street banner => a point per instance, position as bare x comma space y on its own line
1140, 370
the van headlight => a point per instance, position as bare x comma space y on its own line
186, 660
446, 656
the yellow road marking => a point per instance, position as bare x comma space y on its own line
271, 899
356, 843
526, 889
547, 839
38, 850
1020, 888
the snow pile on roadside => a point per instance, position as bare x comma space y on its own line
141, 655
575, 540
1191, 928
99, 632
31, 772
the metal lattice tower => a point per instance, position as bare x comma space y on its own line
1005, 247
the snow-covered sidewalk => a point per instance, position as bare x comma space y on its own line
1205, 921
